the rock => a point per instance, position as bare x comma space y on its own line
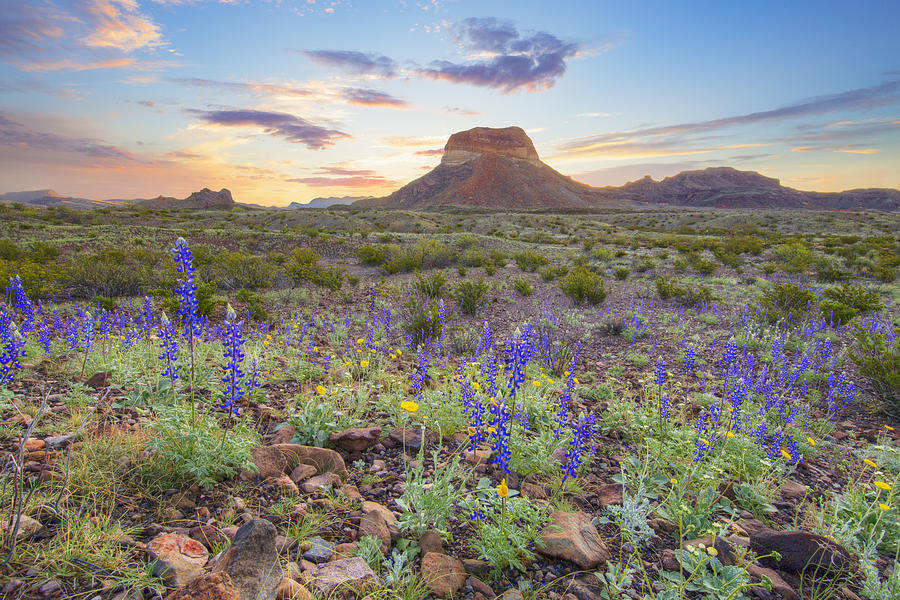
372, 524
49, 588
252, 561
481, 456
324, 460
212, 586
303, 472
511, 594
284, 484
317, 483
480, 586
669, 560
442, 574
509, 141
662, 526
791, 490
28, 527
342, 578
572, 537
206, 535
283, 435
431, 542
778, 584
801, 551
385, 515
98, 380
411, 439
177, 558
475, 566
319, 551
356, 439
344, 550
586, 588
33, 444
269, 461
609, 494
534, 491
289, 589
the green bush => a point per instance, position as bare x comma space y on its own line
371, 255
690, 295
206, 301
644, 264
551, 272
847, 301
621, 273
235, 270
431, 285
423, 320
303, 265
879, 361
795, 257
584, 286
314, 422
470, 295
523, 286
103, 302
784, 299
117, 272
253, 303
529, 260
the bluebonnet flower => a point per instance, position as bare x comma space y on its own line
13, 349
22, 305
251, 381
660, 373
87, 332
235, 357
581, 439
186, 289
775, 447
500, 423
519, 352
688, 359
477, 514
169, 346
44, 337
664, 408
760, 435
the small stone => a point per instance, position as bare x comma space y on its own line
28, 527
431, 542
342, 578
317, 483
289, 589
302, 472
572, 537
284, 484
283, 434
324, 459
480, 586
319, 550
442, 574
609, 494
356, 439
212, 586
791, 490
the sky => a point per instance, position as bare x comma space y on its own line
289, 100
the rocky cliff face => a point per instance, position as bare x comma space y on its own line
509, 141
205, 199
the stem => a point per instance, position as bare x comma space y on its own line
193, 410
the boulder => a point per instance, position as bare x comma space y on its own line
318, 482
791, 490
319, 551
442, 574
572, 537
356, 439
269, 461
252, 561
341, 579
801, 551
212, 586
177, 558
778, 584
324, 460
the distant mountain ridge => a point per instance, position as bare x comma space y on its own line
326, 202
205, 199
499, 168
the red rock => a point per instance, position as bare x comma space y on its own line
177, 558
572, 537
212, 586
323, 459
356, 439
442, 574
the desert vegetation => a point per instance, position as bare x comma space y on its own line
654, 404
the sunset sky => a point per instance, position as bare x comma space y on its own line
289, 100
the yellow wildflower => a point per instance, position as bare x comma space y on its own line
364, 363
360, 341
399, 352
503, 489
811, 441
409, 406
786, 454
575, 379
883, 506
674, 481
550, 381
536, 383
729, 434
882, 485
320, 389
888, 427
472, 431
870, 463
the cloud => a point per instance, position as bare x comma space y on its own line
119, 24
255, 88
431, 152
344, 177
506, 60
677, 136
355, 62
412, 142
18, 138
462, 112
292, 128
367, 97
27, 28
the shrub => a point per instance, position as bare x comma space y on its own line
103, 302
644, 264
423, 320
878, 359
845, 302
583, 286
827, 270
371, 255
303, 265
114, 272
621, 273
314, 422
234, 270
796, 257
430, 286
528, 260
787, 299
471, 295
206, 302
523, 286
253, 303
551, 272
691, 295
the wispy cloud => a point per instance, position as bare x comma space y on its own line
368, 97
401, 141
16, 137
462, 112
355, 62
292, 128
253, 88
344, 177
505, 59
677, 139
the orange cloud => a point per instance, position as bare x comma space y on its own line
120, 25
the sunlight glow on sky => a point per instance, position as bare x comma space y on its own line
289, 100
